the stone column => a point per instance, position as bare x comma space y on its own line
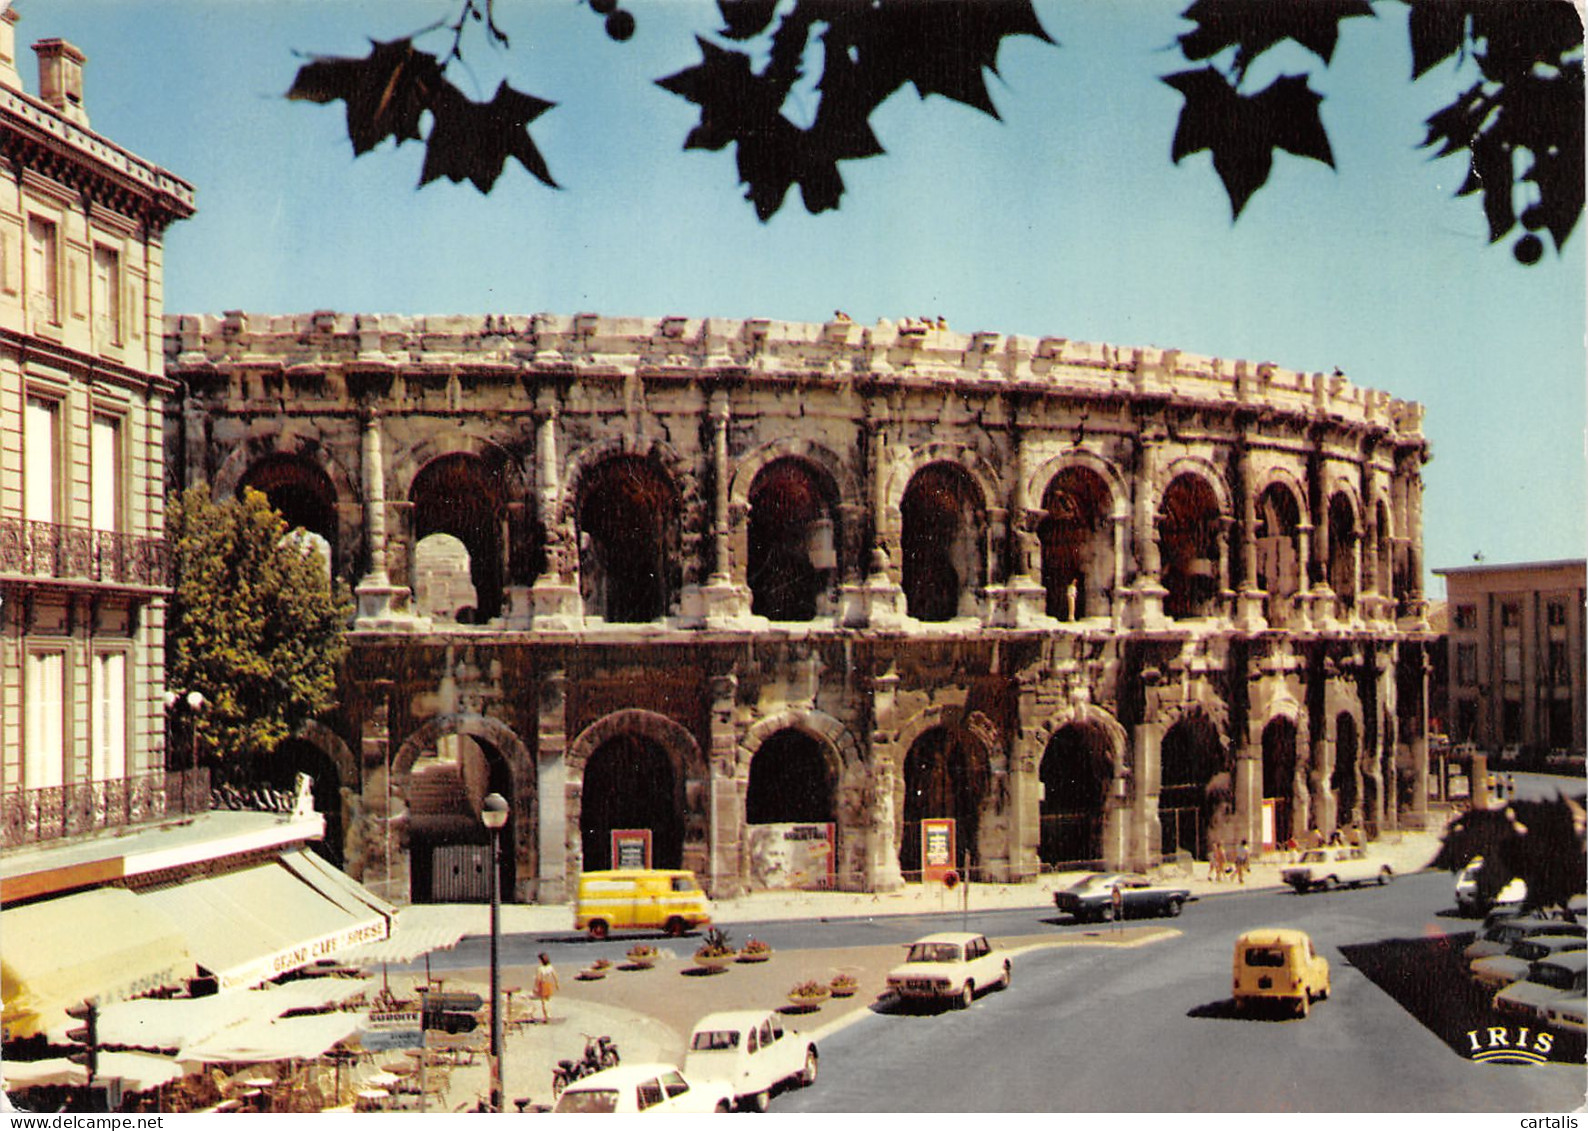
1325, 812
878, 601
377, 596
557, 872
882, 849
1146, 835
1417, 607
381, 836
1025, 601
1247, 784
1417, 815
726, 830
1149, 592
1249, 611
554, 597
1303, 595
721, 599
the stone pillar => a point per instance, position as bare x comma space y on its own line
554, 601
878, 601
1149, 592
1146, 841
377, 596
1246, 783
1024, 599
882, 849
557, 872
721, 599
1417, 607
1416, 816
1249, 611
1303, 595
1325, 810
726, 830
382, 834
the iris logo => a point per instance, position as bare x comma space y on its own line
1500, 1044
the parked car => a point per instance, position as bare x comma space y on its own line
1470, 902
1499, 970
1560, 977
631, 1088
1503, 933
950, 966
1277, 964
1320, 869
750, 1053
1566, 1015
1093, 897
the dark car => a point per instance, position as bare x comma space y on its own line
1093, 897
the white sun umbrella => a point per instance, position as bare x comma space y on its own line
139, 1072
264, 1039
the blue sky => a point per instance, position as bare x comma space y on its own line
1066, 217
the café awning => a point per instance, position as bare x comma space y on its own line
416, 931
138, 1072
253, 924
264, 1038
106, 944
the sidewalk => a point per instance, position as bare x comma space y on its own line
651, 1012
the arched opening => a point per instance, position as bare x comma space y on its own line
788, 812
1279, 779
942, 542
1188, 539
1077, 544
1279, 551
1075, 773
789, 781
945, 775
628, 541
443, 580
793, 542
1342, 550
630, 783
302, 493
1194, 789
279, 771
449, 847
462, 495
1347, 773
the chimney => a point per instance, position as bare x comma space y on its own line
10, 79
61, 78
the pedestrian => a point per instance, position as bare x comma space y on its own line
1216, 862
546, 985
1243, 859
1117, 899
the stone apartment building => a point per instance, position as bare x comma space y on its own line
737, 585
84, 565
1516, 655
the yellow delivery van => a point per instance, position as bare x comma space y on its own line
661, 899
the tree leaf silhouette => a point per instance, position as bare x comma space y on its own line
473, 140
1242, 131
386, 92
1253, 26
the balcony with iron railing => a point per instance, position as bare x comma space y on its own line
31, 816
49, 550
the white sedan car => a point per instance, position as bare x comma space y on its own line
950, 966
751, 1054
631, 1088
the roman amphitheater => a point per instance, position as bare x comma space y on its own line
770, 596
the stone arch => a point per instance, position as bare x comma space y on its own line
1038, 481
1077, 771
1195, 791
1351, 760
841, 749
334, 747
1343, 514
963, 456
1076, 537
678, 821
1203, 469
583, 461
792, 539
972, 742
223, 484
466, 495
753, 462
310, 749
1190, 521
509, 772
409, 462
1280, 743
944, 541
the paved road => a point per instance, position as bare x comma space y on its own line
1151, 1028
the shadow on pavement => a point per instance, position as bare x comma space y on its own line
1257, 1011
1428, 978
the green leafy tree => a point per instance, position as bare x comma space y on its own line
255, 625
1520, 125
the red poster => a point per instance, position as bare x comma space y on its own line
937, 847
631, 848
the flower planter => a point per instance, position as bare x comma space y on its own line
754, 955
807, 1001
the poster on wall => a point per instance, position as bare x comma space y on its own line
631, 848
1270, 822
792, 856
937, 847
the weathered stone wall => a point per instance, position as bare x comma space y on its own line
1094, 603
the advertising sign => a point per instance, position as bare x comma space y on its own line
631, 848
792, 856
386, 1030
937, 847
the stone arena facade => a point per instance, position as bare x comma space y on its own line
728, 581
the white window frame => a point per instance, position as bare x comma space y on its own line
111, 700
44, 740
44, 268
42, 458
107, 296
107, 464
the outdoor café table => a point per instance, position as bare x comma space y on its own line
372, 1099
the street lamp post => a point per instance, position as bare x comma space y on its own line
195, 703
494, 813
